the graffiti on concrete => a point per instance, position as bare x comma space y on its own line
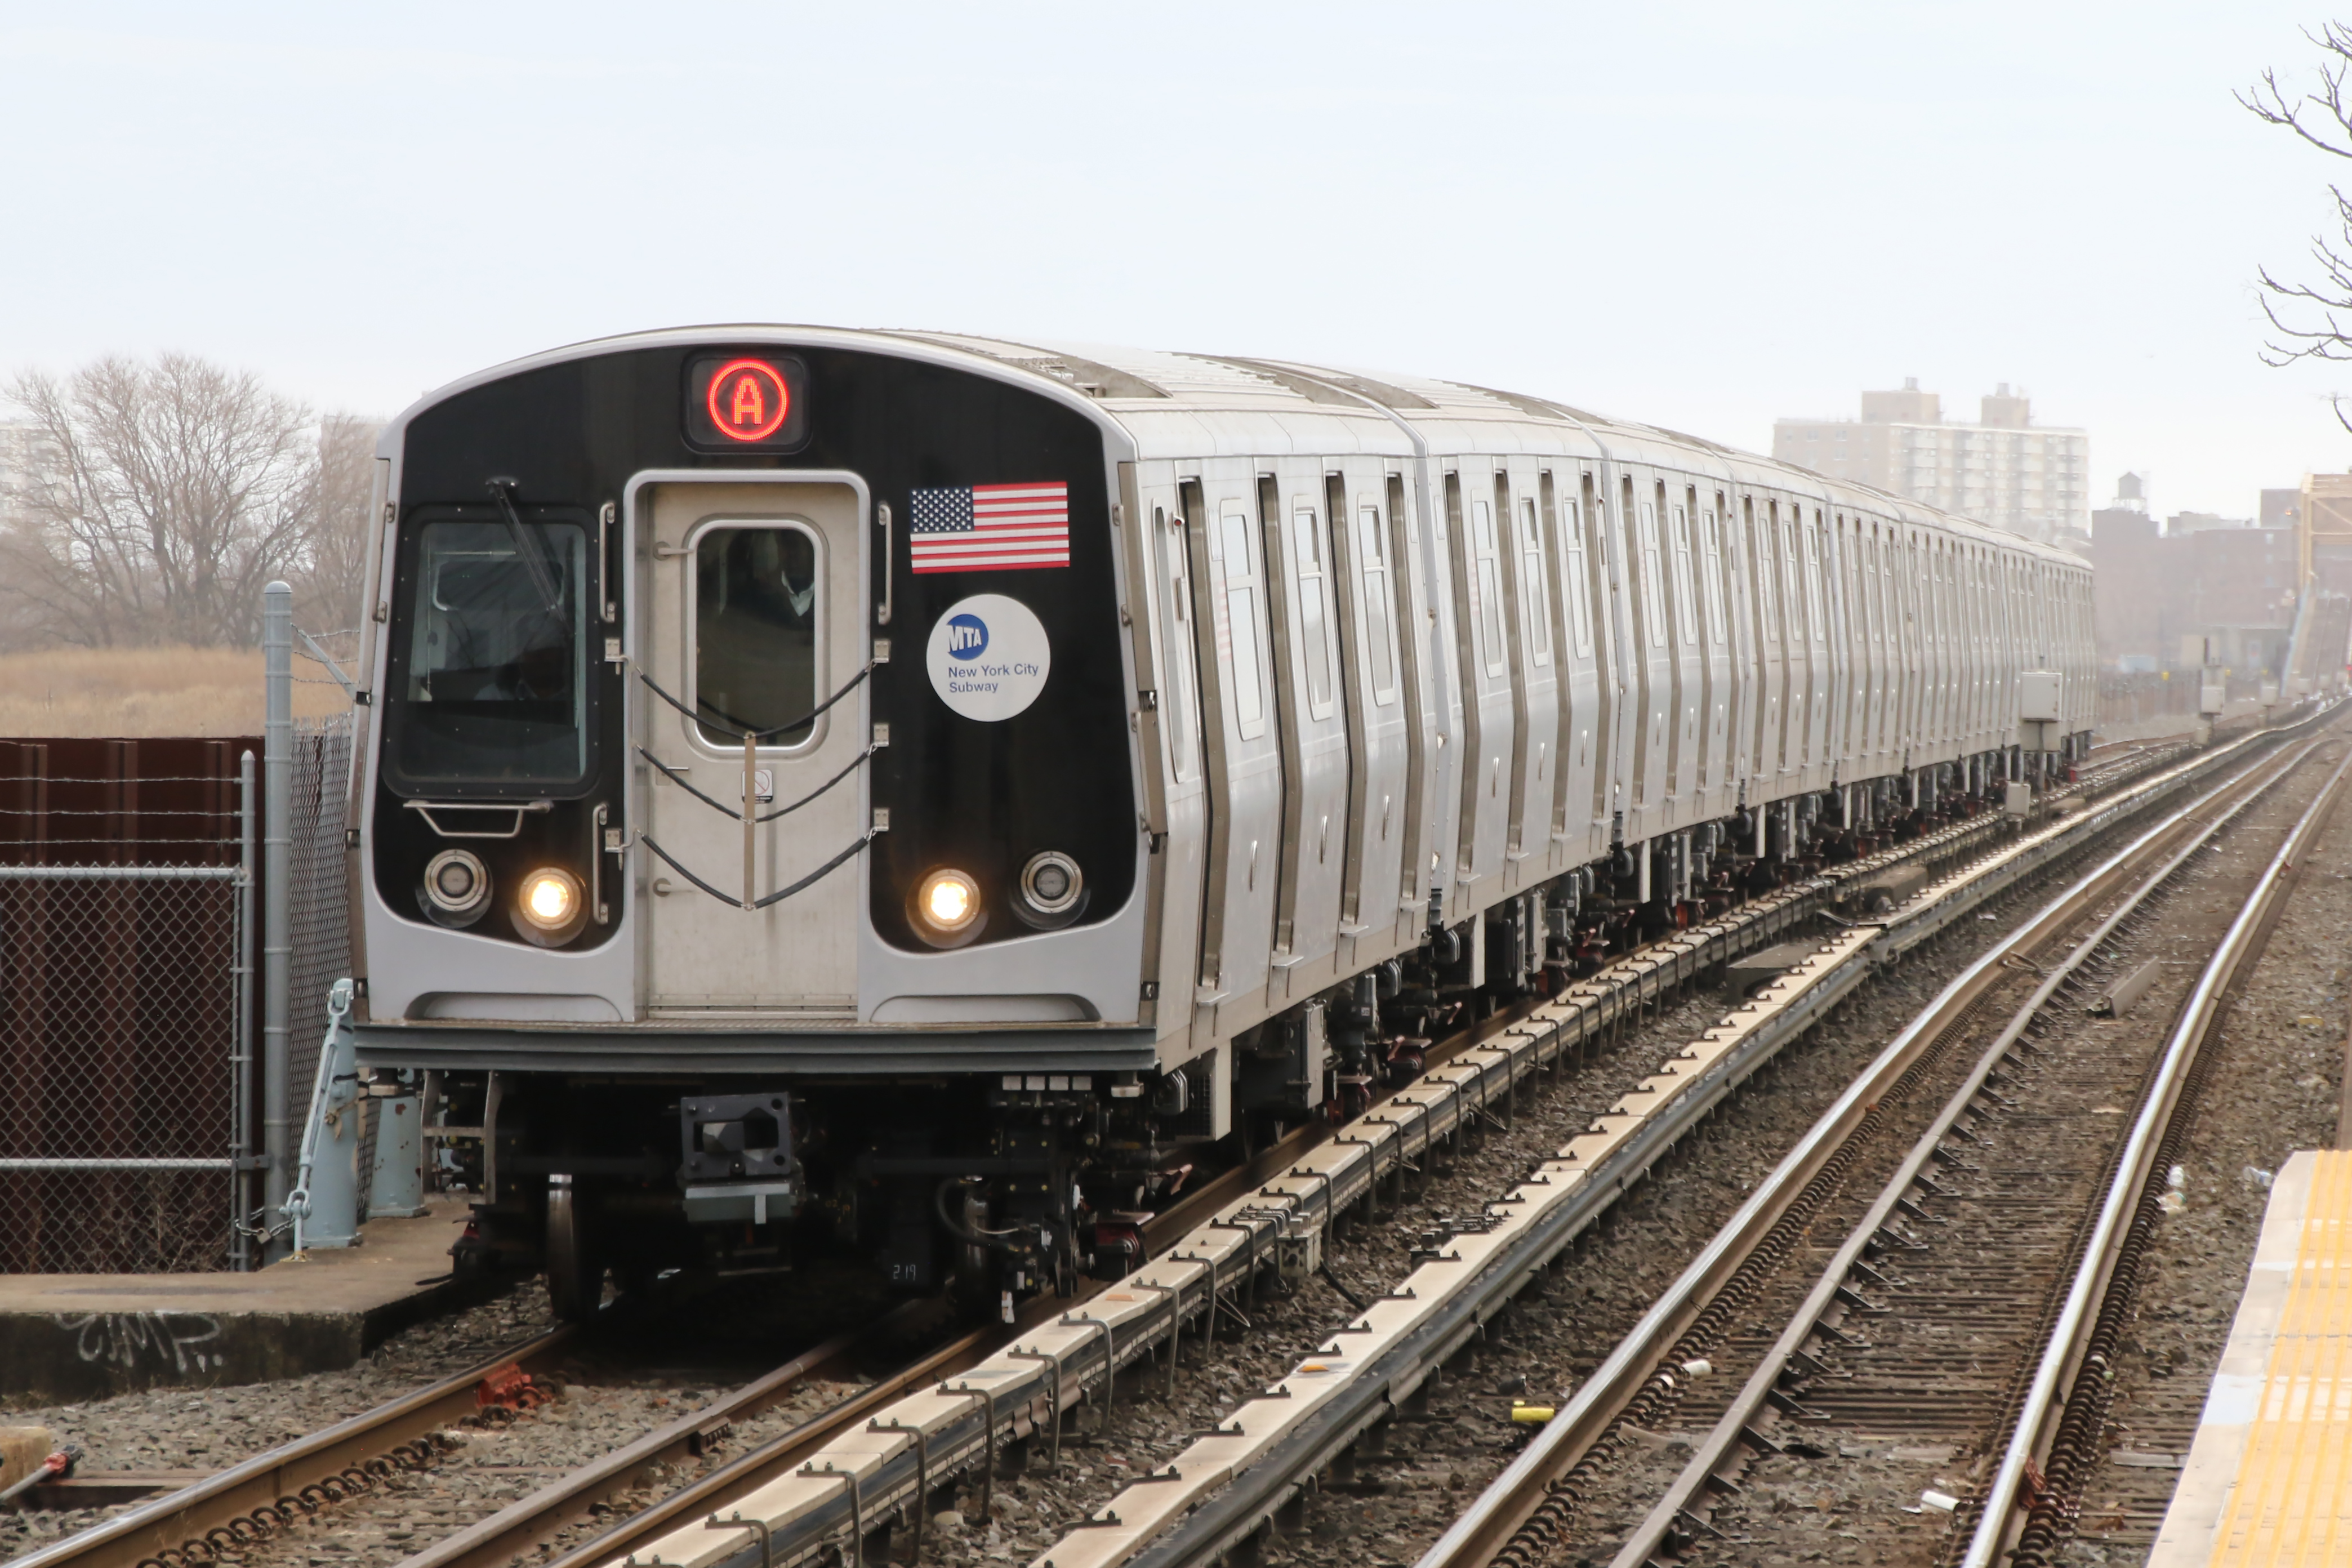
128, 1338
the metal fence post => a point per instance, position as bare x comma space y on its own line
240, 1187
277, 925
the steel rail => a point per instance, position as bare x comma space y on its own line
1719, 1458
241, 1499
527, 1523
1997, 1521
229, 1498
787, 1451
220, 1512
1498, 1515
1280, 1472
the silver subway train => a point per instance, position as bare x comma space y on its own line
914, 797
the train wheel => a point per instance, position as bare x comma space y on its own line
575, 1268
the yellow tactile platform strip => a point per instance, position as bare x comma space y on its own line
2269, 1482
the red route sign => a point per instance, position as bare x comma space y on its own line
748, 400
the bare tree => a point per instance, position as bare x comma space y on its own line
160, 498
331, 571
2314, 321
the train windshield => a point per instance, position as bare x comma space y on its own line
495, 688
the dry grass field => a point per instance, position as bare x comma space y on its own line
148, 692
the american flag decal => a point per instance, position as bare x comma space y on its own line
989, 528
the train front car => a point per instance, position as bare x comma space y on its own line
749, 825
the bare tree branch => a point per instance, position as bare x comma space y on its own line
160, 498
2313, 321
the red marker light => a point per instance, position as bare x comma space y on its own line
748, 400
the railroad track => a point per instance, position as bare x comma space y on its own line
1470, 1074
2019, 1159
1307, 1429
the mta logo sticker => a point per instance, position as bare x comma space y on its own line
989, 657
967, 636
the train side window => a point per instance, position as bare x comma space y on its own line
1372, 553
1241, 613
1534, 583
756, 612
1314, 622
1488, 578
1653, 608
1768, 610
1580, 612
1682, 627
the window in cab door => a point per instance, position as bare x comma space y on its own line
756, 607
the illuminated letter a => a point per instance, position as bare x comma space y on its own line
750, 409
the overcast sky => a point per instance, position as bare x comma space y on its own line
1698, 215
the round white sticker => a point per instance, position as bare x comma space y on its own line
989, 657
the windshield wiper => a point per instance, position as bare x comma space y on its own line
528, 546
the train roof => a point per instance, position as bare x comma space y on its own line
1171, 404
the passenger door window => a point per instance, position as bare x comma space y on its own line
1711, 566
1653, 608
1683, 628
1580, 612
1372, 553
1168, 527
1314, 622
1490, 586
1534, 587
1239, 647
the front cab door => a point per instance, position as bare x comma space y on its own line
755, 616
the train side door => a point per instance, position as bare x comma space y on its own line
1649, 654
756, 615
1763, 582
1607, 671
1674, 506
1315, 762
1161, 582
1372, 669
1715, 757
1483, 654
1534, 766
1579, 693
1243, 755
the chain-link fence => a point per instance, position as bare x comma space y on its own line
129, 949
125, 922
118, 1020
319, 899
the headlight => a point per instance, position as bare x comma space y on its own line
948, 902
1050, 883
549, 906
457, 886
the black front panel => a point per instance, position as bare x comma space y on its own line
984, 798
